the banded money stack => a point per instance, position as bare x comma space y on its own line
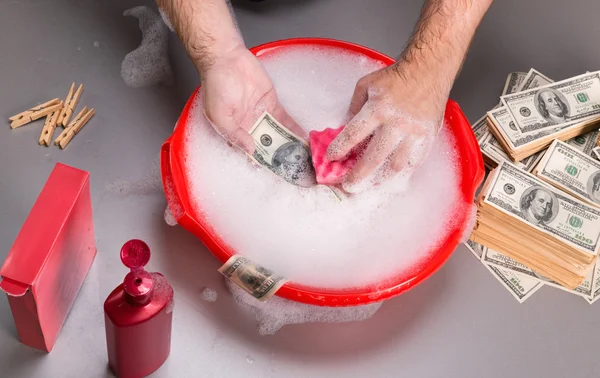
546, 229
540, 110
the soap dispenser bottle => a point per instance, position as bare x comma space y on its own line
138, 315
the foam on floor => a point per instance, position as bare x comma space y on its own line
304, 234
149, 63
279, 312
209, 295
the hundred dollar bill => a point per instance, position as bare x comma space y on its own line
512, 135
282, 152
565, 102
494, 258
514, 81
490, 146
572, 171
534, 79
596, 292
584, 143
520, 286
596, 153
476, 249
258, 281
528, 199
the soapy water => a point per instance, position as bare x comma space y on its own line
209, 295
149, 63
302, 233
277, 312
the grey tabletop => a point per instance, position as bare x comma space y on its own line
459, 323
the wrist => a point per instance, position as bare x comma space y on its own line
205, 56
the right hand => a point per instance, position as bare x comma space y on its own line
235, 91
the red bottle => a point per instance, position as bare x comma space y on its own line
138, 316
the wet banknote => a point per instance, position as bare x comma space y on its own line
528, 199
282, 152
566, 102
494, 258
571, 170
258, 281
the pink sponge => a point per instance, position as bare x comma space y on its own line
330, 172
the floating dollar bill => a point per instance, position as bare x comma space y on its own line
258, 281
561, 103
520, 286
571, 170
282, 152
523, 196
494, 258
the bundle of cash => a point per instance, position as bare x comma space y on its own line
522, 282
537, 225
541, 110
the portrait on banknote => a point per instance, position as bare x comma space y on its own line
593, 186
552, 105
539, 205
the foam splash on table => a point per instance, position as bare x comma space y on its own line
149, 63
278, 312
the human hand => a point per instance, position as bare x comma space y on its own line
236, 90
402, 109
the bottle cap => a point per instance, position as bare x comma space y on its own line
138, 283
135, 254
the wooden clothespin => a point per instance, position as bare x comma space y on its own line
70, 104
74, 127
50, 126
34, 113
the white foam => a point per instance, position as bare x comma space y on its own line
149, 63
169, 218
209, 295
301, 233
278, 312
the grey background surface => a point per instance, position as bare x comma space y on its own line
459, 323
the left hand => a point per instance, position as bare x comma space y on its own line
403, 111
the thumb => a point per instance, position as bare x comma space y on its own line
360, 96
241, 139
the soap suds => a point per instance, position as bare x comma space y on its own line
301, 233
278, 312
149, 63
209, 295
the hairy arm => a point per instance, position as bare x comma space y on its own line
402, 106
206, 28
442, 37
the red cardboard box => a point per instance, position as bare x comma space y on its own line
50, 257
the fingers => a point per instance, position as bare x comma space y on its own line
411, 153
380, 148
286, 120
357, 130
240, 138
360, 96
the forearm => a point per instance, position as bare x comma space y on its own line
442, 37
205, 27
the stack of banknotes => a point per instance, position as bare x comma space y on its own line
538, 220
